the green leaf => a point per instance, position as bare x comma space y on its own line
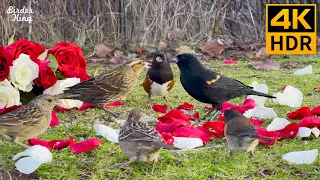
43, 56
11, 40
53, 63
59, 75
26, 97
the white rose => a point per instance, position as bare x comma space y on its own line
9, 96
61, 85
23, 72
70, 103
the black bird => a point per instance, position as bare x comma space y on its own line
240, 132
159, 78
208, 86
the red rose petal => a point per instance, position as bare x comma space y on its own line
160, 108
262, 132
113, 104
256, 122
168, 138
300, 113
191, 132
208, 107
291, 130
40, 142
248, 104
283, 87
54, 144
84, 146
226, 106
186, 106
217, 127
316, 111
85, 106
230, 61
173, 115
317, 89
165, 127
207, 132
9, 109
194, 116
54, 119
221, 117
310, 122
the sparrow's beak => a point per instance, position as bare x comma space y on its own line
147, 65
173, 59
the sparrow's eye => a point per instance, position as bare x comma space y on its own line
50, 100
141, 63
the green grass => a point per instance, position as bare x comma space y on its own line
212, 163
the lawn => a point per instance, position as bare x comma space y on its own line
211, 163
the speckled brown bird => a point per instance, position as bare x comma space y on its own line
140, 142
240, 132
110, 86
159, 79
28, 121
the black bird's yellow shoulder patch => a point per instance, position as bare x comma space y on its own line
213, 80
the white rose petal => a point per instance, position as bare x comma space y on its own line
260, 112
291, 96
9, 96
306, 70
304, 132
107, 132
315, 131
23, 72
187, 143
259, 100
301, 157
278, 124
70, 103
61, 85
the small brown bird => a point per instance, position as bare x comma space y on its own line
28, 121
240, 132
159, 78
110, 86
139, 141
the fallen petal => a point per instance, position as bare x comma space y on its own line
208, 107
256, 122
291, 96
160, 108
84, 146
300, 113
54, 120
169, 128
193, 117
316, 111
187, 143
317, 89
304, 132
301, 157
41, 152
168, 138
216, 127
107, 132
306, 70
28, 165
310, 122
315, 131
186, 106
291, 130
273, 135
259, 100
260, 112
277, 124
230, 61
114, 104
9, 109
248, 104
173, 115
53, 144
190, 132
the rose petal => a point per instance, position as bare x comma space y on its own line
193, 117
37, 151
186, 106
113, 104
315, 131
310, 122
208, 107
273, 135
291, 96
304, 132
277, 124
256, 122
301, 157
230, 61
206, 131
84, 146
107, 132
190, 132
216, 127
283, 87
259, 100
168, 138
260, 112
303, 71
248, 104
85, 106
9, 109
300, 113
317, 89
54, 120
172, 115
54, 144
291, 130
170, 127
226, 106
316, 111
160, 108
187, 143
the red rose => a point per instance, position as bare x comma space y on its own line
46, 78
5, 62
34, 50
69, 57
83, 75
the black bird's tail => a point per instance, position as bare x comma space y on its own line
252, 92
263, 138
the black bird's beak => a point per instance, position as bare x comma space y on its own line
173, 59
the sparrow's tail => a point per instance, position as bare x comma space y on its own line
252, 92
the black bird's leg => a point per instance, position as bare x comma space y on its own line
208, 113
102, 106
219, 107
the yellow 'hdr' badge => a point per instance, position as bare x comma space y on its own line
291, 29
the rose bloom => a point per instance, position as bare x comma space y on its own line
69, 57
61, 85
47, 77
70, 103
23, 46
9, 96
23, 72
5, 63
